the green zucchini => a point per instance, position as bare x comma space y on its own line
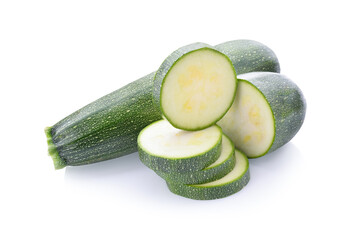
231, 183
250, 56
268, 111
108, 127
195, 86
222, 166
165, 148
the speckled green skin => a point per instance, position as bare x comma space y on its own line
250, 56
286, 101
163, 71
179, 165
106, 128
213, 192
206, 175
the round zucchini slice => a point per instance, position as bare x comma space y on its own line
165, 148
195, 86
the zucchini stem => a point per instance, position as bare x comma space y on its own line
58, 162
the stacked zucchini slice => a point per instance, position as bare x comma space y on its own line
196, 88
200, 164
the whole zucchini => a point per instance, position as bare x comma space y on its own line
104, 129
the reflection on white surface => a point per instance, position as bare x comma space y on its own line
276, 172
288, 154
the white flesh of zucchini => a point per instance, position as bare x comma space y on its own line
199, 86
164, 140
249, 123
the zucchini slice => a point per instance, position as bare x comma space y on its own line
195, 86
231, 183
165, 148
222, 166
268, 111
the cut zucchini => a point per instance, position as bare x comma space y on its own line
250, 56
108, 127
222, 166
165, 148
195, 86
223, 187
268, 111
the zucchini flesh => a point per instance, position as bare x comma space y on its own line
222, 166
223, 187
165, 148
249, 122
269, 109
195, 86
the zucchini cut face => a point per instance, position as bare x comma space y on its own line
268, 111
162, 139
249, 123
165, 148
197, 89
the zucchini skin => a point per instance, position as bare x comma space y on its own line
196, 193
89, 143
250, 56
106, 128
212, 192
205, 175
286, 101
163, 71
180, 165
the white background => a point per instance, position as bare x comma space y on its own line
57, 56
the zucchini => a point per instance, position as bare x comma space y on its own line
165, 148
250, 56
195, 86
231, 183
268, 111
222, 166
108, 127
